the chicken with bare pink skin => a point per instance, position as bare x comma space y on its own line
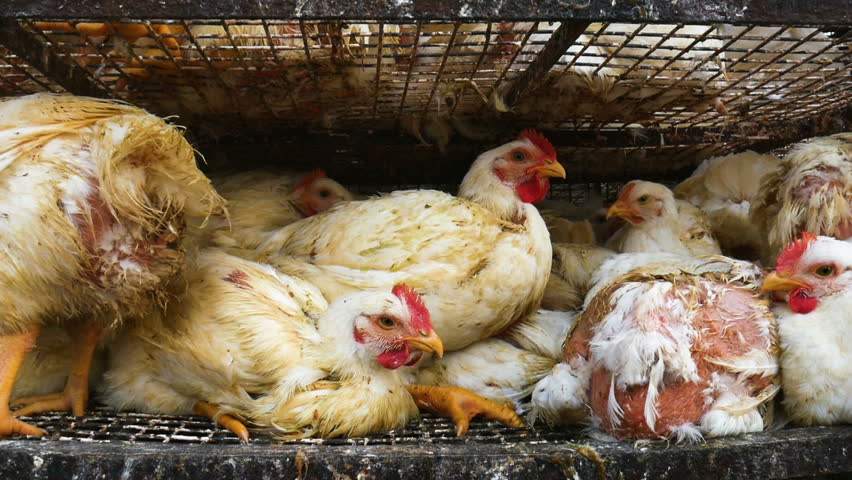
668, 346
94, 194
815, 329
810, 192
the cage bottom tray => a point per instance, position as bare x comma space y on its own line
126, 445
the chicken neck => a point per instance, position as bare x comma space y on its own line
13, 350
481, 186
75, 397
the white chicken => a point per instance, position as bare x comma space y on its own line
571, 275
659, 223
261, 201
506, 368
249, 344
480, 260
815, 329
668, 347
724, 188
93, 195
811, 192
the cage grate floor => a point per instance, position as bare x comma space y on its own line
102, 425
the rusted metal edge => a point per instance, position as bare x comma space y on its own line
555, 48
44, 58
823, 12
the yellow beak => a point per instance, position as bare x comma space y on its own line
621, 210
428, 343
550, 169
774, 283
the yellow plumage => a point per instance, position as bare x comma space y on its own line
253, 342
104, 187
724, 188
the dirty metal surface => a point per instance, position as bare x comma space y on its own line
110, 445
752, 11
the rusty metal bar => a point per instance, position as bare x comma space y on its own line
479, 60
23, 71
553, 50
441, 68
217, 74
378, 70
512, 60
412, 61
242, 61
46, 59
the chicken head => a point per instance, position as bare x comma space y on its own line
642, 202
811, 269
396, 330
317, 193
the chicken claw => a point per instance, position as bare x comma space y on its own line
461, 406
235, 426
13, 349
75, 397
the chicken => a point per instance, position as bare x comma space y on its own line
93, 195
570, 223
724, 188
659, 223
247, 344
261, 201
506, 368
571, 275
814, 329
677, 348
810, 192
480, 260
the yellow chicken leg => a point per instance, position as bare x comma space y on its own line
13, 349
461, 406
210, 411
76, 395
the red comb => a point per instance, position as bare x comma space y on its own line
420, 318
539, 141
626, 192
790, 256
311, 178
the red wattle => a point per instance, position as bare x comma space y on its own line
801, 303
533, 190
395, 358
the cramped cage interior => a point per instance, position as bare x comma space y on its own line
388, 95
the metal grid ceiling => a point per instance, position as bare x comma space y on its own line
360, 76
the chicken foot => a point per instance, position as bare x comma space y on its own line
210, 411
461, 406
75, 397
13, 350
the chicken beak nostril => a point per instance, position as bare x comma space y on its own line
430, 342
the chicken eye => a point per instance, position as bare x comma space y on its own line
386, 322
824, 271
518, 156
643, 199
324, 193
